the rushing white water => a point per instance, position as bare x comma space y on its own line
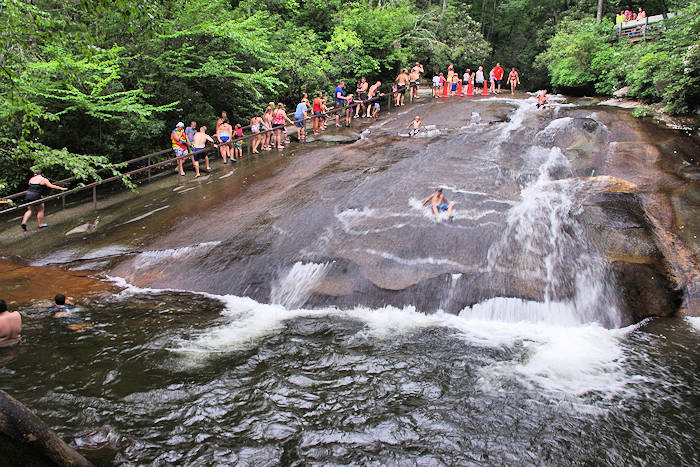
151, 257
294, 288
544, 240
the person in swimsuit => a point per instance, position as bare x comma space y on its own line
372, 94
255, 125
377, 108
492, 81
34, 193
362, 88
278, 118
200, 142
267, 129
414, 79
316, 109
415, 126
348, 111
66, 313
543, 100
238, 143
455, 84
439, 204
324, 115
223, 134
513, 80
10, 326
401, 83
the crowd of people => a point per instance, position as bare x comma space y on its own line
268, 131
450, 84
628, 15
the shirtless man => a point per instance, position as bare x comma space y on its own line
223, 134
415, 126
362, 87
10, 326
224, 115
401, 83
373, 92
414, 76
200, 142
439, 203
542, 99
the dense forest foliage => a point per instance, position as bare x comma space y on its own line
85, 84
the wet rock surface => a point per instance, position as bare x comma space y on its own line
355, 209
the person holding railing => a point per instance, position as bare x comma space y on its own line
178, 138
300, 115
339, 98
200, 142
373, 92
278, 118
37, 184
223, 134
401, 84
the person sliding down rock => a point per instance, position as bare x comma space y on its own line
439, 204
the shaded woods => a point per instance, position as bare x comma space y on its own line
87, 84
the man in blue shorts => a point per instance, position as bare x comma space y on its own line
339, 98
439, 203
299, 119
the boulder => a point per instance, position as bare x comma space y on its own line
622, 92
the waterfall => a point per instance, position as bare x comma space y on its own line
544, 241
292, 290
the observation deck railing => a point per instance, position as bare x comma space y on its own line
642, 29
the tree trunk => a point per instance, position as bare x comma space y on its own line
27, 431
599, 15
483, 17
664, 10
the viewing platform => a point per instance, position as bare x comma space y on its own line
642, 29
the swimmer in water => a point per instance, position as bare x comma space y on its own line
543, 100
10, 326
415, 126
67, 313
439, 204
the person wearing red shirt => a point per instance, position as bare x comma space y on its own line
498, 74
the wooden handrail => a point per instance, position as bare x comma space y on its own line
173, 159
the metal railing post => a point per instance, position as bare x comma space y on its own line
63, 202
94, 197
149, 168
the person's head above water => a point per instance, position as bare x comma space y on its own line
438, 190
3, 305
60, 299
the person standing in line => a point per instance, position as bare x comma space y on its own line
371, 94
642, 14
339, 99
401, 83
267, 129
200, 142
300, 116
492, 81
467, 77
436, 86
324, 113
34, 192
178, 140
620, 18
513, 79
316, 109
498, 72
224, 115
450, 72
415, 79
362, 88
190, 131
237, 144
348, 111
278, 118
479, 78
455, 85
255, 125
223, 134
10, 326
